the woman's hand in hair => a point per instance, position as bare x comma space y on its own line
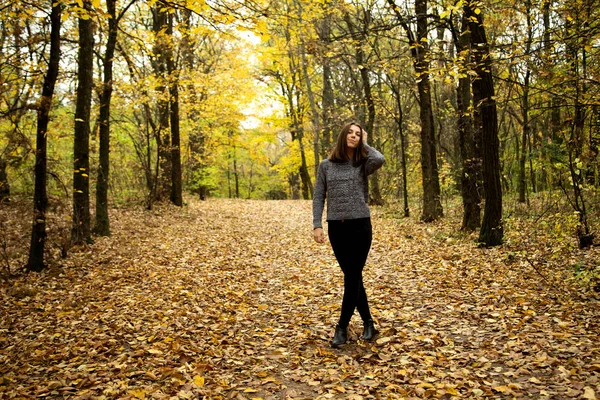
364, 136
319, 235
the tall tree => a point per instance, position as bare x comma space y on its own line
35, 261
163, 136
491, 232
359, 33
525, 106
432, 205
471, 164
577, 28
4, 185
102, 226
197, 136
328, 95
309, 87
80, 231
173, 74
399, 116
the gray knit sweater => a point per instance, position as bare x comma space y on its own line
346, 188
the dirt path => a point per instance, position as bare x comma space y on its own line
233, 299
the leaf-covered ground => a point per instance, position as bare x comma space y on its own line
233, 299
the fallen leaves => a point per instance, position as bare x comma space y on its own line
212, 301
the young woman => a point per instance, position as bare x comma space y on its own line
342, 179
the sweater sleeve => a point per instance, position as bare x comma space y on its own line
374, 161
319, 196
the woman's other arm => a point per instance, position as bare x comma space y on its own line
374, 161
374, 158
319, 196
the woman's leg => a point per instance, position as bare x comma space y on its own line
363, 304
351, 241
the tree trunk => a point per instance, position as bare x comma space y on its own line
4, 186
525, 108
163, 137
403, 145
359, 39
524, 139
102, 226
35, 261
307, 187
173, 74
470, 162
297, 133
491, 232
328, 95
576, 138
432, 206
293, 180
236, 174
291, 90
309, 91
81, 166
197, 143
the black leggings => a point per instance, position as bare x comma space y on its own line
351, 242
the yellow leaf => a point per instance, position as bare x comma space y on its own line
501, 389
96, 3
138, 393
477, 11
452, 391
154, 351
199, 380
250, 390
588, 393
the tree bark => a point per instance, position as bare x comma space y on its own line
102, 226
491, 232
163, 137
576, 137
432, 206
470, 162
525, 108
328, 95
403, 145
173, 72
80, 231
35, 261
197, 142
4, 185
309, 91
359, 38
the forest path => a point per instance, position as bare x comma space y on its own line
234, 299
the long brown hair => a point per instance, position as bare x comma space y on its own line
339, 154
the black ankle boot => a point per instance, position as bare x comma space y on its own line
340, 337
369, 332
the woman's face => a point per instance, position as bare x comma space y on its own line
353, 137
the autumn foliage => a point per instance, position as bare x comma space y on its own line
233, 299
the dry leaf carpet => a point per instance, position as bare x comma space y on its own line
233, 299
